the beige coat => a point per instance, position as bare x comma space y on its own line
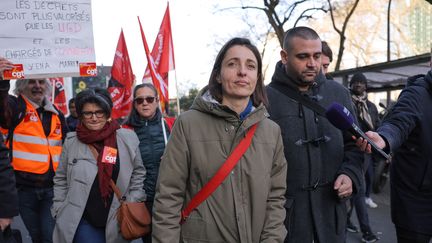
248, 206
74, 178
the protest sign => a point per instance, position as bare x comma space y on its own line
50, 38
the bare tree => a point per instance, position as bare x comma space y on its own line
279, 13
360, 42
342, 31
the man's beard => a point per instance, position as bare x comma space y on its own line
298, 80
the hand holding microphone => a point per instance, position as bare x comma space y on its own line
374, 137
342, 119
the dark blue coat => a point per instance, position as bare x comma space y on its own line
152, 146
408, 131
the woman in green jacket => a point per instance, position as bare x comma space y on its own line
248, 206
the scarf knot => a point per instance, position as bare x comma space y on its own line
105, 137
360, 102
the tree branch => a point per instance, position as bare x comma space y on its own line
242, 7
332, 18
342, 34
345, 24
292, 7
303, 16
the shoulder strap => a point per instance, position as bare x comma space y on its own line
304, 100
220, 175
112, 183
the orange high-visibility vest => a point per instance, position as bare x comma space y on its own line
32, 149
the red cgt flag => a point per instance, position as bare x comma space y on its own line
155, 76
59, 95
121, 81
163, 57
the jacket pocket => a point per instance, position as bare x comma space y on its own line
289, 219
197, 230
193, 230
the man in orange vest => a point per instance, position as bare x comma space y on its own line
36, 130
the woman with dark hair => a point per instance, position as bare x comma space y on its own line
84, 206
248, 205
146, 120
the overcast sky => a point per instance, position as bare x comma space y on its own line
198, 31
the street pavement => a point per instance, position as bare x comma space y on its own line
379, 219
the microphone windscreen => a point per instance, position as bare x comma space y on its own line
339, 116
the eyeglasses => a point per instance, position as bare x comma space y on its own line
148, 99
89, 114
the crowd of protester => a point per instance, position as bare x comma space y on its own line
247, 162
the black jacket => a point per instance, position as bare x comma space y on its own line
72, 123
317, 153
407, 129
8, 193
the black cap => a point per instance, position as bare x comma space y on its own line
358, 77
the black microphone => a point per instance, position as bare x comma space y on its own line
341, 118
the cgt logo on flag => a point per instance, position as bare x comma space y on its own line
17, 72
59, 98
88, 69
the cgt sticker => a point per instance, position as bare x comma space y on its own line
109, 155
88, 69
17, 72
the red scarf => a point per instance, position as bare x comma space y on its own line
99, 139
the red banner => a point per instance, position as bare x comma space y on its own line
121, 81
157, 79
59, 95
163, 58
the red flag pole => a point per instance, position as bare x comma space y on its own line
155, 76
171, 42
163, 56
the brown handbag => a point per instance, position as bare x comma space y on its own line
133, 217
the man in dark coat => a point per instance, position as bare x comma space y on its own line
8, 192
407, 132
325, 165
